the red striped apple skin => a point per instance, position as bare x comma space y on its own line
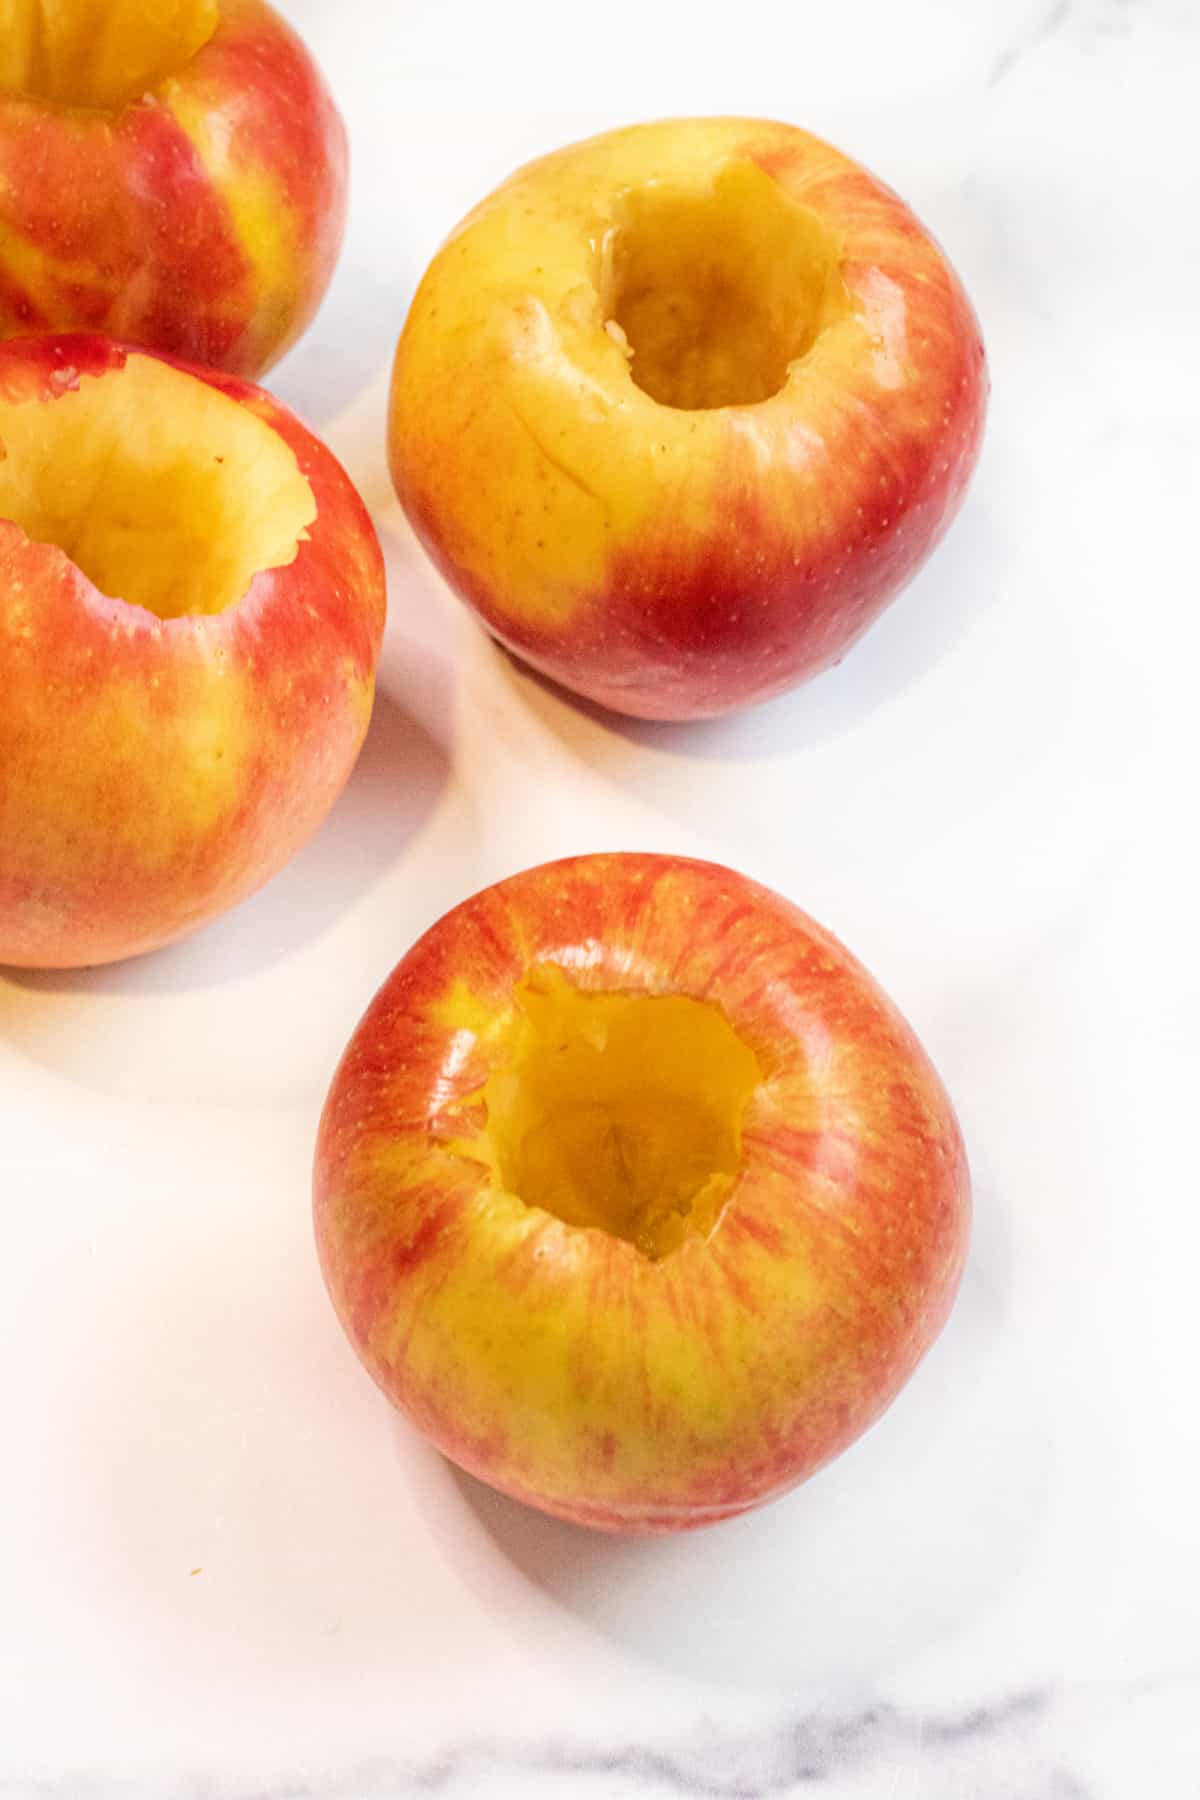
203, 219
560, 1364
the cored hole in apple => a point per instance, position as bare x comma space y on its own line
162, 490
719, 291
620, 1112
98, 53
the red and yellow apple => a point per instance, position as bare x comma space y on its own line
172, 175
191, 606
636, 1194
680, 409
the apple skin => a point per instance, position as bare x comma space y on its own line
203, 220
665, 563
155, 772
559, 1364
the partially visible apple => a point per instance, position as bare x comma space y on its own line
173, 175
680, 409
191, 606
636, 1194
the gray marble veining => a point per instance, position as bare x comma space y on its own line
1038, 1745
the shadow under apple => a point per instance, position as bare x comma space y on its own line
916, 632
263, 999
903, 1541
393, 787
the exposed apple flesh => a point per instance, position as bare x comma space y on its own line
98, 53
161, 489
618, 1111
718, 293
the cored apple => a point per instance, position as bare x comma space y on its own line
679, 410
636, 1194
173, 175
191, 606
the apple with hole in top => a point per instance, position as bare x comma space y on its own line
173, 175
680, 409
636, 1194
191, 607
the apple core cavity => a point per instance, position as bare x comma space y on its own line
165, 492
619, 1111
79, 54
718, 290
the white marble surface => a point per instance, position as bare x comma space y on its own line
226, 1571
